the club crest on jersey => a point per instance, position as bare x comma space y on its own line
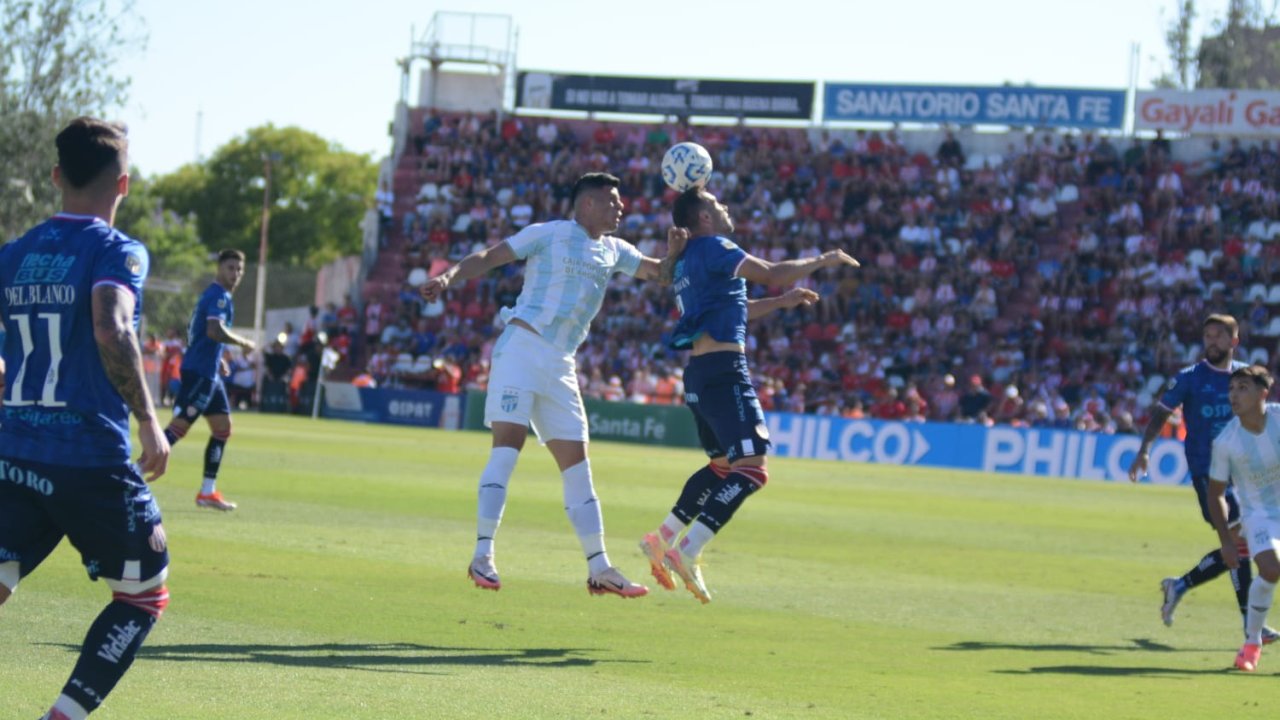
727, 244
222, 302
510, 399
133, 263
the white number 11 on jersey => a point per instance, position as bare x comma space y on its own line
47, 398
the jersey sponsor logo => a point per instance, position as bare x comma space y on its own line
41, 417
578, 267
22, 477
118, 640
1218, 412
43, 268
132, 263
727, 244
222, 302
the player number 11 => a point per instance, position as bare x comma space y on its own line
47, 398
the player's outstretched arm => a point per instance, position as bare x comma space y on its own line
662, 270
1138, 468
472, 266
791, 298
1218, 516
121, 355
788, 272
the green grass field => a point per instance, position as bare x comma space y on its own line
338, 590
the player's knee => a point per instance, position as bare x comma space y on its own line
757, 474
10, 573
1268, 567
150, 596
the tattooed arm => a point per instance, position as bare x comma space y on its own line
122, 361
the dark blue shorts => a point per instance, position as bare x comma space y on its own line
200, 395
1202, 494
726, 409
108, 514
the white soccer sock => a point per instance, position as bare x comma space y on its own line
583, 508
1260, 594
671, 529
493, 496
696, 538
209, 486
70, 708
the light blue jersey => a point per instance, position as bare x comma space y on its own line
1252, 463
565, 278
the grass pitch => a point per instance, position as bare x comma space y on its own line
338, 590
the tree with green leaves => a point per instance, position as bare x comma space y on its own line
56, 63
319, 194
1182, 52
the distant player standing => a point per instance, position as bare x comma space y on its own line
709, 281
534, 374
1201, 390
1247, 454
203, 391
70, 299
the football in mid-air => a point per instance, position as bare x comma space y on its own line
686, 165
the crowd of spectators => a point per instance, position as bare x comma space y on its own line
1057, 283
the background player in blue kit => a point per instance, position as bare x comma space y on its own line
70, 300
203, 367
1202, 391
709, 281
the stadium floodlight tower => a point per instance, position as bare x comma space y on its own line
484, 41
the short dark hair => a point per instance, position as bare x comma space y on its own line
593, 181
229, 254
89, 147
1259, 374
688, 204
1226, 321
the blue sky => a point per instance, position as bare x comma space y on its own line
329, 66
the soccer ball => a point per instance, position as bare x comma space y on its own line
686, 165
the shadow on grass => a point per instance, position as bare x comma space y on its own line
387, 657
1134, 645
1096, 671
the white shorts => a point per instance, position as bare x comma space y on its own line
533, 383
1262, 533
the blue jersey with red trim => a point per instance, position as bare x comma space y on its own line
59, 407
711, 298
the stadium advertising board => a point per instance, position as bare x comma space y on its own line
423, 408
973, 105
665, 96
1211, 112
1003, 449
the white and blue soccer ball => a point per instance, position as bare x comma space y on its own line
686, 165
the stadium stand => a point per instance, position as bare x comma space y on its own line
1066, 274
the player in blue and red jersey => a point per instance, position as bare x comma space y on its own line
203, 367
70, 300
1201, 389
709, 280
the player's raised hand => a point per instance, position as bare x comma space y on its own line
833, 258
435, 287
798, 296
677, 239
155, 450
